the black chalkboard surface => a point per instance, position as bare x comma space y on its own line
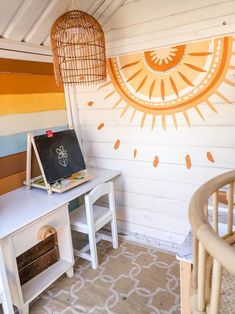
60, 155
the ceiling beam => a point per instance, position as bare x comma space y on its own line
17, 17
41, 28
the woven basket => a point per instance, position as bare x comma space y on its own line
78, 49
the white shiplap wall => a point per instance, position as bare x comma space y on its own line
153, 202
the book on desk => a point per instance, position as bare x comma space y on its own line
60, 161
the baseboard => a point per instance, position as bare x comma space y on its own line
154, 243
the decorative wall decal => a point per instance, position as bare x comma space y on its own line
116, 144
188, 161
100, 126
90, 103
210, 157
169, 81
156, 161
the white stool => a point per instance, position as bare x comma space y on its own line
90, 218
5, 297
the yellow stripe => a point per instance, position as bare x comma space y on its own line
12, 182
25, 103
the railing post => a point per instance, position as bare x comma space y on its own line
230, 207
215, 211
201, 277
215, 287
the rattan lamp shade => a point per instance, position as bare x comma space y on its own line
78, 49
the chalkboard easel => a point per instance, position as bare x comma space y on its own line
44, 181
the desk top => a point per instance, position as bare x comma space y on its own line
21, 207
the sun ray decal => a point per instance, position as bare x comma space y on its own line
170, 82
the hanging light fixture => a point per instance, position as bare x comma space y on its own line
78, 49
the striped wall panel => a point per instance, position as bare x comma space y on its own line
30, 101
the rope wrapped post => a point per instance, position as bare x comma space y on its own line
78, 49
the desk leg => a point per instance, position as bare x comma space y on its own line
70, 272
185, 273
25, 309
4, 288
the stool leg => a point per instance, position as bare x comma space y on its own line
114, 233
93, 250
91, 233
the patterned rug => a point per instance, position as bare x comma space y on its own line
132, 279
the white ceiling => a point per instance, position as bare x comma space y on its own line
129, 25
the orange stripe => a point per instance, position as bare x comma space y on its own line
12, 182
32, 67
28, 84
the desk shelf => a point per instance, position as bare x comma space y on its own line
35, 286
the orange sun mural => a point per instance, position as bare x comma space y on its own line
170, 81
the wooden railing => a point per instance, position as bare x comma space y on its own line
211, 252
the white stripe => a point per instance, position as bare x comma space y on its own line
18, 123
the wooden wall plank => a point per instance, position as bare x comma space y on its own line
27, 84
26, 122
24, 103
12, 182
16, 163
21, 66
12, 164
16, 143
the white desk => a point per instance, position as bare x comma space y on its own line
23, 211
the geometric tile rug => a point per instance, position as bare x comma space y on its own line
132, 279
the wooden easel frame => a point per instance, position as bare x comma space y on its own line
30, 145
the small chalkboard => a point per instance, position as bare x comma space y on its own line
60, 154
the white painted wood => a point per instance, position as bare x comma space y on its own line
74, 112
26, 122
28, 161
42, 27
163, 173
78, 218
39, 283
90, 218
154, 201
24, 19
35, 203
5, 297
167, 154
8, 10
185, 136
21, 240
109, 11
152, 25
163, 23
15, 45
10, 54
57, 219
93, 6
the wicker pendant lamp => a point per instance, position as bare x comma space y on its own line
78, 49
